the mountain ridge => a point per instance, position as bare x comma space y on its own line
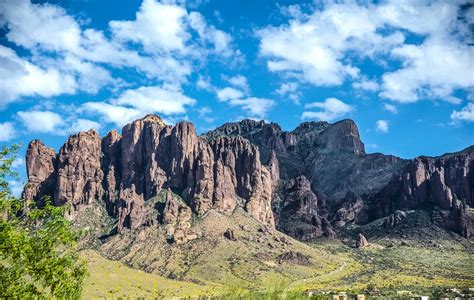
315, 179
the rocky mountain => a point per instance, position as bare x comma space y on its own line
313, 181
124, 171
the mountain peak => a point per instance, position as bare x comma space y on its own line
152, 118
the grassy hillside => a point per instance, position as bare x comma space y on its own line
419, 258
112, 279
336, 267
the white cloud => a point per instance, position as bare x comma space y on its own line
18, 163
313, 47
229, 93
84, 125
19, 78
204, 113
110, 113
7, 131
329, 110
164, 42
256, 107
220, 40
157, 99
157, 27
16, 187
391, 108
238, 81
290, 89
41, 121
465, 114
382, 126
204, 83
368, 85
434, 70
136, 103
33, 25
325, 46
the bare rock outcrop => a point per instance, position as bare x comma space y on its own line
126, 170
294, 257
394, 219
177, 219
361, 241
315, 181
446, 182
79, 173
298, 211
41, 171
230, 235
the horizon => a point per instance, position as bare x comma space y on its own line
401, 71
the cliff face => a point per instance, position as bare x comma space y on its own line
343, 184
315, 179
124, 171
445, 183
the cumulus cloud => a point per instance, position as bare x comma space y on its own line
157, 27
16, 187
134, 103
434, 69
204, 113
465, 114
204, 83
156, 99
18, 163
7, 131
84, 125
328, 110
111, 113
238, 81
19, 77
325, 46
164, 41
41, 121
382, 126
229, 93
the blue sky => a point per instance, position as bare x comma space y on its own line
403, 70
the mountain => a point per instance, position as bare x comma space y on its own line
327, 179
162, 199
315, 178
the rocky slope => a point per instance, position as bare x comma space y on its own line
124, 171
315, 180
337, 181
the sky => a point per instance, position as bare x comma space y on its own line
403, 70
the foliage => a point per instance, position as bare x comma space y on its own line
38, 257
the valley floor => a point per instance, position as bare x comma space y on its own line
386, 265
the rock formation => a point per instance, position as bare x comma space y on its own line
352, 186
125, 171
445, 182
293, 257
41, 171
309, 182
394, 219
230, 235
361, 241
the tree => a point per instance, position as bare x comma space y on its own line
38, 257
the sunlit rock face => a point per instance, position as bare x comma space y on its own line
124, 171
309, 182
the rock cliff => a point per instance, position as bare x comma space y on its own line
125, 171
351, 185
309, 182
